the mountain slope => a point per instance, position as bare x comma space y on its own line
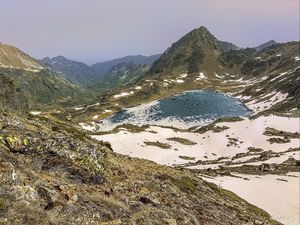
12, 57
39, 85
273, 78
53, 173
75, 72
11, 97
120, 75
103, 68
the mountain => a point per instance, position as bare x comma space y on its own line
198, 61
103, 68
122, 74
227, 46
73, 71
12, 57
54, 173
273, 75
189, 53
37, 84
265, 45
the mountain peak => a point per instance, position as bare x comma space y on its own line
201, 29
200, 32
73, 71
60, 57
188, 53
265, 45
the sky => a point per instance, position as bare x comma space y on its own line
96, 30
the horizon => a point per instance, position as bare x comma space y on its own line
56, 29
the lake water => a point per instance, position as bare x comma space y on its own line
187, 109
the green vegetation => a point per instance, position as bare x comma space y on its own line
2, 204
211, 127
278, 140
182, 141
287, 135
228, 119
253, 149
132, 128
158, 144
186, 157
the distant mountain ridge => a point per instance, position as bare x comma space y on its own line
73, 71
103, 68
121, 74
34, 84
265, 45
83, 75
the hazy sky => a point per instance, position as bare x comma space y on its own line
96, 30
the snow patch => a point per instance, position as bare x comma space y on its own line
183, 75
257, 106
280, 199
201, 76
35, 113
88, 127
280, 75
220, 77
123, 94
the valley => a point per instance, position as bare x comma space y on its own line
205, 133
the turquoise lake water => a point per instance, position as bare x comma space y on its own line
189, 107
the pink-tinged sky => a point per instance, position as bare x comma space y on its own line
96, 30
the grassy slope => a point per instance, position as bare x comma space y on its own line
64, 177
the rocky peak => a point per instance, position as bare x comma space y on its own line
188, 53
265, 45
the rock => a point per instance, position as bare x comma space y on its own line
149, 200
266, 167
258, 222
69, 193
47, 194
171, 221
52, 205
